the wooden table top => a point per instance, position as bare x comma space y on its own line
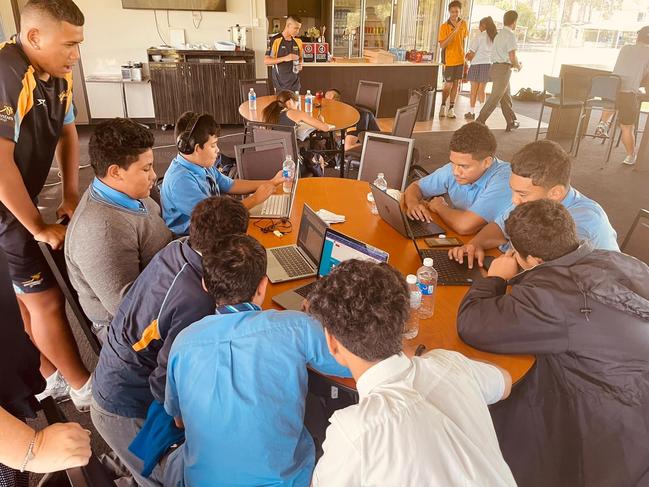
349, 197
336, 113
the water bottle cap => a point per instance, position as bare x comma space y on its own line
308, 92
381, 175
428, 262
411, 279
289, 156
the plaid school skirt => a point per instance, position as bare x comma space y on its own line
479, 73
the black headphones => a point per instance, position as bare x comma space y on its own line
185, 142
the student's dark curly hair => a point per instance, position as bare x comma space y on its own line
233, 268
365, 306
118, 141
206, 126
542, 229
544, 162
214, 218
59, 10
474, 138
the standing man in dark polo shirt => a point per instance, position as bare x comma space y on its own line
283, 49
37, 120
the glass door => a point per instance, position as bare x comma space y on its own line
376, 28
347, 28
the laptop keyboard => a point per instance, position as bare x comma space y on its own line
277, 204
418, 228
292, 261
451, 273
305, 290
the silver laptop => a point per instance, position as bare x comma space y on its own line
277, 205
336, 248
390, 211
290, 262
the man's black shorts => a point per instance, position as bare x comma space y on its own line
27, 267
453, 73
628, 105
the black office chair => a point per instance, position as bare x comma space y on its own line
56, 261
92, 475
262, 87
368, 95
261, 160
636, 241
388, 155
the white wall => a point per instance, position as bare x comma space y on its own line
114, 36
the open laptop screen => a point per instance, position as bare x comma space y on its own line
338, 248
311, 234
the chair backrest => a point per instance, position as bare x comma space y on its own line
635, 242
368, 95
553, 85
604, 87
267, 131
95, 474
56, 261
387, 154
260, 160
261, 86
404, 121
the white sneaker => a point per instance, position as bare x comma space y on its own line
629, 160
442, 111
82, 397
451, 113
56, 388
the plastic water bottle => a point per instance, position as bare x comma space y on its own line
382, 184
308, 102
427, 280
288, 171
299, 100
296, 66
252, 99
411, 328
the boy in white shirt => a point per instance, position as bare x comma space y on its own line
419, 421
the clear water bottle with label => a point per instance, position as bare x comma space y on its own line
427, 280
411, 328
288, 171
252, 99
299, 100
308, 102
382, 184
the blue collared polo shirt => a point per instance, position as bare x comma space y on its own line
186, 184
101, 191
239, 382
487, 197
591, 221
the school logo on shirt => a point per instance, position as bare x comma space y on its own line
63, 96
6, 113
36, 280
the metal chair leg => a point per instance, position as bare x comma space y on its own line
577, 139
610, 145
538, 126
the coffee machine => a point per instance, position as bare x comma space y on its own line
238, 36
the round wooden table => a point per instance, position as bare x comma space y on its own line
349, 197
341, 115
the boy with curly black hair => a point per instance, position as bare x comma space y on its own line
419, 421
117, 228
475, 181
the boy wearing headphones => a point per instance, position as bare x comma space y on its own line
116, 229
192, 175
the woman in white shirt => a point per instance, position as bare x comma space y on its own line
480, 57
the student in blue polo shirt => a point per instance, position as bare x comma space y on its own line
192, 175
542, 170
166, 298
237, 380
117, 228
476, 183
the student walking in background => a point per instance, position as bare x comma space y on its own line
452, 35
479, 56
504, 59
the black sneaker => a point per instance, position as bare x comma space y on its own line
469, 116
